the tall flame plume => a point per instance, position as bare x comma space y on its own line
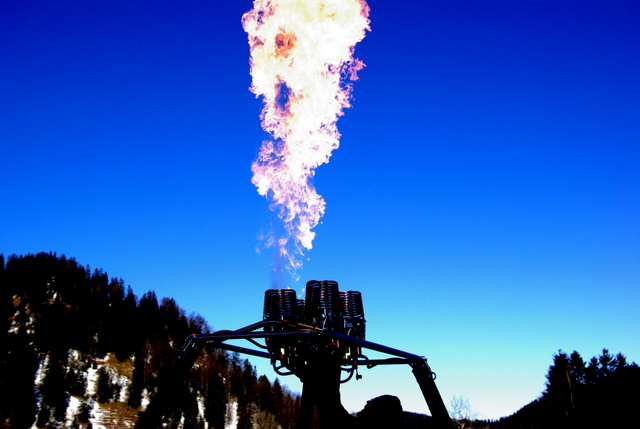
302, 66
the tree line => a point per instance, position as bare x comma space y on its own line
61, 320
599, 393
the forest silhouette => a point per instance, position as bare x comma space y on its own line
63, 319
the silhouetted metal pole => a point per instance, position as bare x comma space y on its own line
426, 380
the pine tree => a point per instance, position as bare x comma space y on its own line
106, 391
84, 412
54, 395
215, 401
18, 365
265, 395
246, 396
137, 381
560, 386
76, 379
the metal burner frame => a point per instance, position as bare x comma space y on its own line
268, 329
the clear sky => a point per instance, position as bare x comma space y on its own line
485, 198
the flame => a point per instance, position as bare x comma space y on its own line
302, 66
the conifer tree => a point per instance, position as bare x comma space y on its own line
560, 385
137, 381
107, 391
18, 365
216, 401
54, 395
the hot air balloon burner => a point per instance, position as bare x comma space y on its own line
326, 329
324, 309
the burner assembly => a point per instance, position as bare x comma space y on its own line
328, 324
325, 309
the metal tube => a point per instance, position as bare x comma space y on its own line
425, 378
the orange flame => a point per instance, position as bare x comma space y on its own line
302, 64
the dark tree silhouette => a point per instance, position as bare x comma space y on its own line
55, 310
602, 393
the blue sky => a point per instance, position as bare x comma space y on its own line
485, 198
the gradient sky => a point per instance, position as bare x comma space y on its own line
485, 198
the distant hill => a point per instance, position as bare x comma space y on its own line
80, 350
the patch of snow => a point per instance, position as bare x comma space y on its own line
200, 401
97, 416
15, 326
92, 381
144, 402
73, 408
124, 382
231, 415
74, 355
39, 378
